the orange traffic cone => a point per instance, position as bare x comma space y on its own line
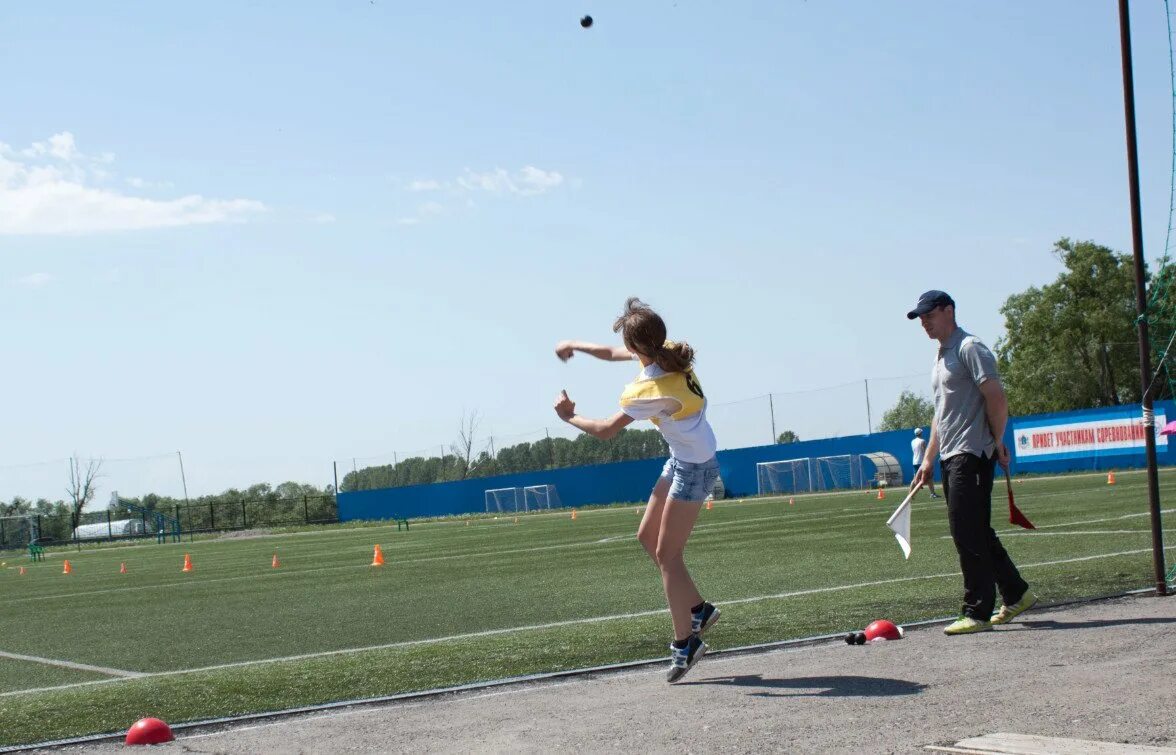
1110, 478
187, 563
276, 563
378, 557
122, 568
573, 515
22, 571
710, 505
881, 494
67, 569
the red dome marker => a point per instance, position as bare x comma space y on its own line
149, 731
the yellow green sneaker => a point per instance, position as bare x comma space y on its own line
967, 625
1008, 613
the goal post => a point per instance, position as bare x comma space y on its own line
16, 532
785, 476
841, 472
502, 500
537, 497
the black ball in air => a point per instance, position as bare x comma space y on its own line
586, 21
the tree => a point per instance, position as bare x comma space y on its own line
547, 453
788, 437
1071, 344
911, 410
463, 449
81, 488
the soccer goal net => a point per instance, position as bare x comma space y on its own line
501, 500
540, 497
785, 476
838, 472
17, 532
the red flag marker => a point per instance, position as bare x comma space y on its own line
1015, 515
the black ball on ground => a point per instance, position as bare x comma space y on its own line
860, 638
586, 21
851, 638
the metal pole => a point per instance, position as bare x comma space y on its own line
869, 420
772, 410
183, 477
335, 468
1149, 420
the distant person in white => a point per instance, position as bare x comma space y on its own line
918, 446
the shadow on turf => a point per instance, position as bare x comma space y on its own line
821, 686
1097, 623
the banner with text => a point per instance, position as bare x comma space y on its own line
1101, 433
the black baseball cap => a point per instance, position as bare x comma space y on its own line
929, 301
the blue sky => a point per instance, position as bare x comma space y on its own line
270, 235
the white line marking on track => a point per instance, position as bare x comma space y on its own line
571, 622
71, 665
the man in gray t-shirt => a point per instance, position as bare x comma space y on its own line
967, 433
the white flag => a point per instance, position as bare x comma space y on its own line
900, 523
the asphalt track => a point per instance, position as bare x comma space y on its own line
1103, 671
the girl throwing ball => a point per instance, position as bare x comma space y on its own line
667, 393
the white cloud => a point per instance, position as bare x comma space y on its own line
537, 181
139, 183
35, 280
48, 189
61, 146
526, 182
423, 212
322, 218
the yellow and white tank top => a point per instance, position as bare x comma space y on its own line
675, 403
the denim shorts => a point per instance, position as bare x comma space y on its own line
691, 482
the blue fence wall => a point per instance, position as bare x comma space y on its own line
632, 480
577, 486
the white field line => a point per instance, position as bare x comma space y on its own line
569, 622
1032, 533
1091, 521
72, 665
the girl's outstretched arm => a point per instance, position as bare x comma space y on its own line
566, 349
599, 428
